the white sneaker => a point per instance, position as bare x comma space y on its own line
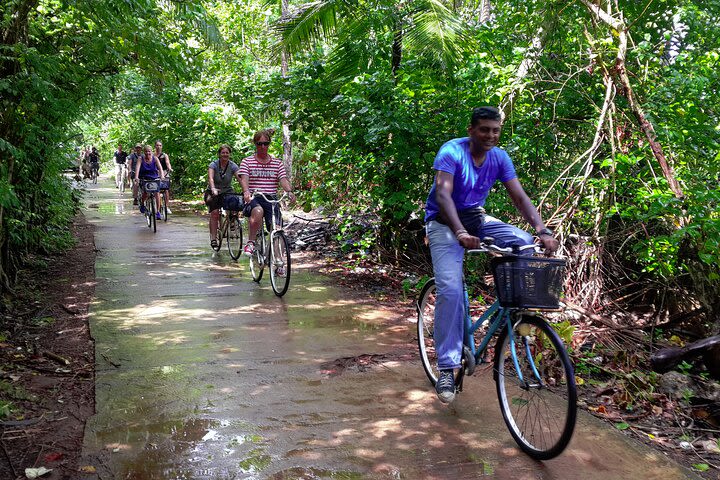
168, 211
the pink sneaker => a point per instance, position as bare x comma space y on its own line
249, 248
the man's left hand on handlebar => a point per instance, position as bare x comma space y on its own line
550, 243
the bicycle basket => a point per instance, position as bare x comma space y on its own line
528, 282
164, 184
151, 187
232, 202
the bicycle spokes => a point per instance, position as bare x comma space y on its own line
536, 387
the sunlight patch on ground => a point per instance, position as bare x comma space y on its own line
168, 338
383, 427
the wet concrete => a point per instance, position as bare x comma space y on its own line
204, 374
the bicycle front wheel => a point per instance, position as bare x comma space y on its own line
163, 208
219, 234
257, 259
234, 237
153, 218
426, 330
147, 212
279, 263
536, 387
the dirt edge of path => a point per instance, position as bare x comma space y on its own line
47, 374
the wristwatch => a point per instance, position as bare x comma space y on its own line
545, 231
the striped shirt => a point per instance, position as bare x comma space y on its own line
263, 177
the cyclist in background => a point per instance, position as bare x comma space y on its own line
167, 168
94, 161
220, 175
120, 171
133, 159
261, 172
149, 168
465, 171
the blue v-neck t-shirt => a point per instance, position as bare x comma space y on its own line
471, 184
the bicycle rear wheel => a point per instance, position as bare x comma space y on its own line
257, 259
279, 263
234, 237
426, 330
536, 387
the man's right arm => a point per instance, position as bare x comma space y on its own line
448, 212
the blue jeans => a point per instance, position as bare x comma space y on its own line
447, 258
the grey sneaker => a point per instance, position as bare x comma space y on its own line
445, 386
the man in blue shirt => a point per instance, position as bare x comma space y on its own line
465, 171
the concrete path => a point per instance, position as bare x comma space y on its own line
204, 374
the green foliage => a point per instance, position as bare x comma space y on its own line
6, 409
372, 95
56, 63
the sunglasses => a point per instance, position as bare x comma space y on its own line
262, 144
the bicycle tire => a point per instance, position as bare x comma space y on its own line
257, 259
219, 234
153, 218
163, 208
234, 237
426, 329
279, 258
539, 414
147, 211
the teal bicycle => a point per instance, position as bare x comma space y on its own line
534, 377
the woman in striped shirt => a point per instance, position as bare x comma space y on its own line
261, 172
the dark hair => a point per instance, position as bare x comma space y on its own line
224, 146
484, 113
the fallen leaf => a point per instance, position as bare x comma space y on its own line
53, 457
657, 410
599, 409
36, 472
710, 446
87, 469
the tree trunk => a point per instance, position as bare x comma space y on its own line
397, 51
287, 142
620, 30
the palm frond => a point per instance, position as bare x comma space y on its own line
435, 30
312, 23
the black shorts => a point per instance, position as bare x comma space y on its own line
266, 206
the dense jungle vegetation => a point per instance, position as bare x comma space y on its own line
612, 118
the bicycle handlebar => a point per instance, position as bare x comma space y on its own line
487, 247
261, 194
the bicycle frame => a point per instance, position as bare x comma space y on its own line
499, 317
276, 227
